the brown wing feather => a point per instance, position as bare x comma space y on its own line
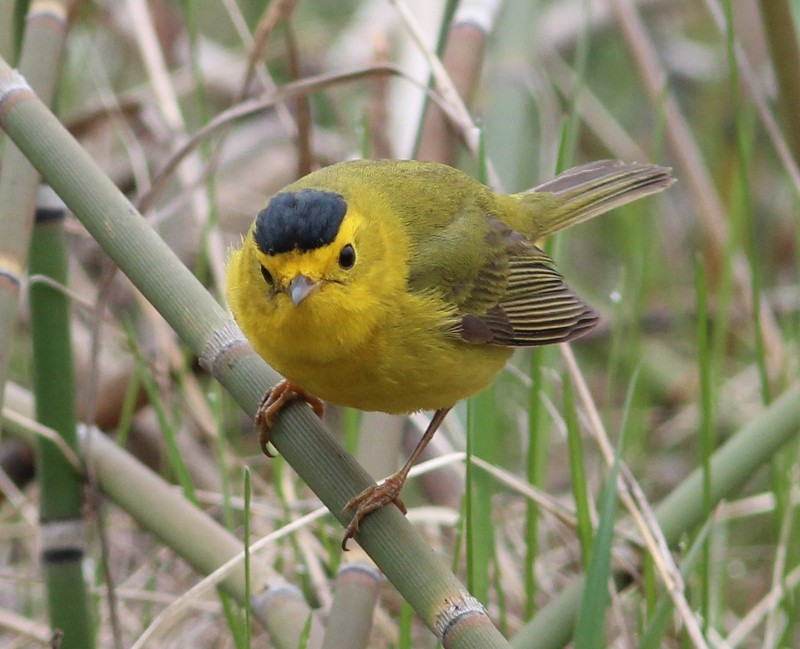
528, 301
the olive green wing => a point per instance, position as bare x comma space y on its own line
505, 291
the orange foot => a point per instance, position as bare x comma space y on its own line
276, 398
373, 498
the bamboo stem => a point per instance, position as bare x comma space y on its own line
61, 497
350, 619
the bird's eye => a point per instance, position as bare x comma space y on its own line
267, 277
347, 257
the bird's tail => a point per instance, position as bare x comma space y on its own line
592, 189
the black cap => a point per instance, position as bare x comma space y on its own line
302, 221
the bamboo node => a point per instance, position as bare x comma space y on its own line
455, 612
60, 537
11, 271
12, 83
275, 595
362, 571
225, 343
48, 10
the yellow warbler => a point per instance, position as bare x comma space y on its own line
401, 285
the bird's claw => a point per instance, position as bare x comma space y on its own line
372, 499
276, 398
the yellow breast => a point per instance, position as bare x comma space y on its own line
404, 363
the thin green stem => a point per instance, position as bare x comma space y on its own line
707, 441
580, 490
746, 205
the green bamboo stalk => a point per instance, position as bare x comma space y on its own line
39, 62
158, 507
785, 54
350, 619
731, 466
408, 562
61, 492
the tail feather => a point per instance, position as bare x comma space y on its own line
592, 189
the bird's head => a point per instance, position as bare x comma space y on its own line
302, 245
317, 252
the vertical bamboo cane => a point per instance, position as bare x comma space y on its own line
61, 500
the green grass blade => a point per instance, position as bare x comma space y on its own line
536, 469
590, 625
580, 490
247, 559
481, 427
707, 437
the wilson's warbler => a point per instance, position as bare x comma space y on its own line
401, 285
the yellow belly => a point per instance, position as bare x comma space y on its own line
404, 363
398, 378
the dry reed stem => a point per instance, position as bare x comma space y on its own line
48, 434
786, 518
378, 106
267, 84
25, 629
779, 25
309, 547
302, 109
274, 13
305, 86
602, 123
166, 97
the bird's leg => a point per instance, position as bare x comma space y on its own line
378, 495
276, 398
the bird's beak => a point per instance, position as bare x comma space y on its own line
300, 288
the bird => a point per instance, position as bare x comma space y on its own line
403, 285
